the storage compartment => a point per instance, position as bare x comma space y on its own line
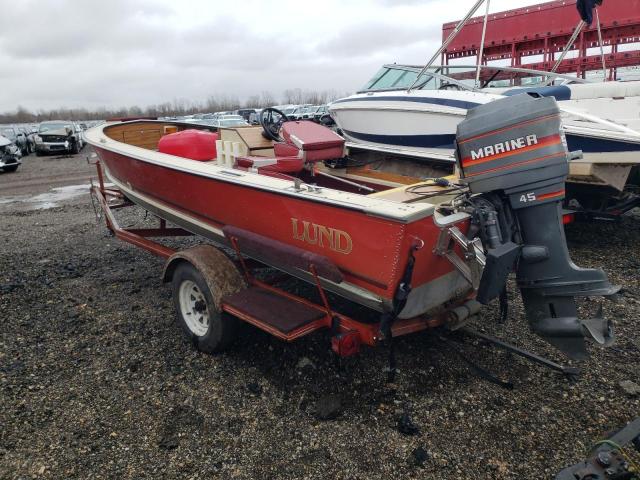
308, 136
191, 144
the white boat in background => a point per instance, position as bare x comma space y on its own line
387, 115
414, 111
390, 116
615, 101
420, 123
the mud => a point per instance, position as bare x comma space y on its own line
97, 381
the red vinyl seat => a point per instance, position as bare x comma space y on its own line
285, 150
304, 142
308, 136
316, 142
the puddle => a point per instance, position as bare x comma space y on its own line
53, 198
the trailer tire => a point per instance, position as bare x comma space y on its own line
197, 296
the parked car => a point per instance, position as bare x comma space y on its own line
309, 113
296, 112
288, 111
28, 133
230, 121
57, 136
9, 155
245, 113
317, 115
16, 137
254, 118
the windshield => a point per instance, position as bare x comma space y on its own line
391, 77
46, 127
10, 133
398, 77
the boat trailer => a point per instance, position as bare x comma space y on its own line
260, 302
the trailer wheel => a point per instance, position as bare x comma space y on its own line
197, 296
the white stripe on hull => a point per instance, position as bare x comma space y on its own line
387, 121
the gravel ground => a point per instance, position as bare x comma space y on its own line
96, 380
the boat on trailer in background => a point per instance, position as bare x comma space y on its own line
393, 116
418, 253
412, 112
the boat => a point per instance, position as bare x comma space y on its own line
614, 101
418, 253
423, 118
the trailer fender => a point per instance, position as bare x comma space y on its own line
220, 273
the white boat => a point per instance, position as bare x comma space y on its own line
614, 101
386, 114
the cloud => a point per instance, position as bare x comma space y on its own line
373, 37
399, 3
67, 28
141, 52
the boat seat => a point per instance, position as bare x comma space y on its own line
285, 150
313, 142
304, 142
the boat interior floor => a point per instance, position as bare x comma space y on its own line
380, 175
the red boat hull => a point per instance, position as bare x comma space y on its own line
370, 251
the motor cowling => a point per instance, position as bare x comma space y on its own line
512, 154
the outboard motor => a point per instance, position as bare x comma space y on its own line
513, 156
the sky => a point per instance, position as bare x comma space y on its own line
114, 53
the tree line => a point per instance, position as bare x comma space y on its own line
177, 107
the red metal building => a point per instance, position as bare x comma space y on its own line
544, 30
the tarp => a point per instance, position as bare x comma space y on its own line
585, 8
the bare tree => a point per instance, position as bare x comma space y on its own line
253, 101
266, 99
178, 106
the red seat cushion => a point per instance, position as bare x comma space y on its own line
309, 136
192, 144
285, 150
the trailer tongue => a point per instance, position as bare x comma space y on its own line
513, 155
